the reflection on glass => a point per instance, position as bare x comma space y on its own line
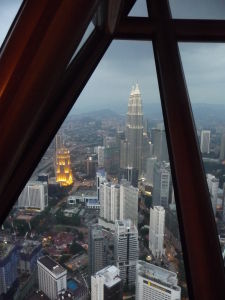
99, 209
204, 69
200, 9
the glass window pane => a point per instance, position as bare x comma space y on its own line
139, 9
8, 11
200, 9
204, 68
103, 186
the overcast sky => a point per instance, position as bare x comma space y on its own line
126, 63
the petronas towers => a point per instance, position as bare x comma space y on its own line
134, 130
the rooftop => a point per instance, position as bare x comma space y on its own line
5, 249
158, 274
52, 265
28, 246
110, 274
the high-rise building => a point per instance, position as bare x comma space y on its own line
96, 249
29, 254
123, 154
51, 277
205, 141
8, 266
101, 151
63, 169
130, 174
134, 129
91, 164
118, 201
213, 184
155, 283
161, 184
107, 284
156, 231
128, 202
100, 178
222, 147
159, 143
34, 196
109, 201
126, 250
150, 163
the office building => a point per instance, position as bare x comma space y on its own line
107, 284
123, 154
112, 159
118, 201
63, 169
101, 177
128, 202
29, 253
205, 141
96, 249
51, 277
161, 184
156, 231
34, 196
134, 129
130, 174
159, 143
101, 151
109, 201
126, 250
91, 166
222, 147
213, 184
155, 283
150, 163
8, 265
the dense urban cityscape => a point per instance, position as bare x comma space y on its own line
97, 219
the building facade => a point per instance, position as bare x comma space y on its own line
161, 184
157, 231
213, 185
96, 249
155, 283
134, 129
118, 201
205, 141
34, 196
159, 143
9, 256
52, 278
107, 284
126, 250
29, 253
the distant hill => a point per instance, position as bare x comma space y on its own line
204, 113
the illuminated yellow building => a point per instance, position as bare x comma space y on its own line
63, 167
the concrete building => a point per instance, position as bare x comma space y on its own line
126, 250
130, 174
96, 249
213, 184
29, 254
155, 283
128, 202
161, 184
156, 231
205, 141
160, 149
150, 163
107, 284
118, 201
34, 196
8, 265
134, 129
101, 177
222, 147
101, 151
51, 277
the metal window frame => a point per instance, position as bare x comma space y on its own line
28, 126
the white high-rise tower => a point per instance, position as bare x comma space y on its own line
156, 231
134, 129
